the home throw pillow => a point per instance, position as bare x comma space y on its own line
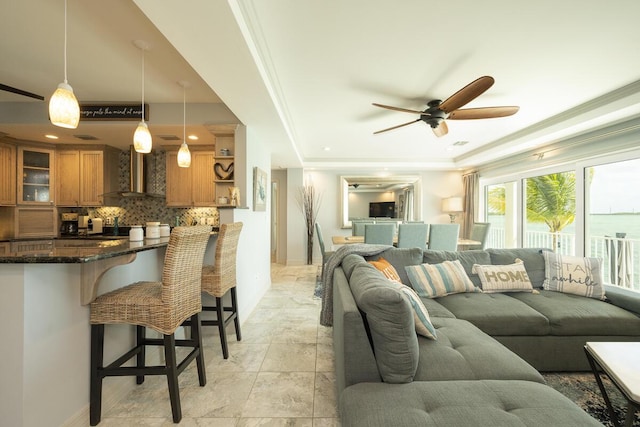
420, 313
386, 269
438, 280
573, 275
503, 278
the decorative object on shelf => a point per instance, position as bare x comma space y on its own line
142, 137
259, 189
309, 201
223, 200
225, 152
452, 206
234, 196
184, 155
222, 172
64, 110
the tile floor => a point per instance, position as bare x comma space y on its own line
280, 374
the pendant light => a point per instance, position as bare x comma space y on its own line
184, 156
64, 110
142, 137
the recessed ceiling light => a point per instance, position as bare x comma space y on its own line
326, 148
460, 143
50, 136
193, 137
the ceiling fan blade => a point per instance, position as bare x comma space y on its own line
21, 92
396, 127
441, 130
467, 94
404, 110
482, 113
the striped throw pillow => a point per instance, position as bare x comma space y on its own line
438, 280
503, 278
573, 275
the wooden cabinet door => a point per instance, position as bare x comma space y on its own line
68, 182
36, 176
179, 189
203, 178
7, 174
91, 167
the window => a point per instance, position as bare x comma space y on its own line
501, 212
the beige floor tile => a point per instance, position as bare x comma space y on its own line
223, 397
325, 358
324, 400
281, 395
275, 422
290, 357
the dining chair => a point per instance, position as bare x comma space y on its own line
219, 279
413, 235
357, 226
325, 254
381, 234
479, 232
162, 306
444, 237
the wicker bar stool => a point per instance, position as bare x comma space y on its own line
220, 278
162, 306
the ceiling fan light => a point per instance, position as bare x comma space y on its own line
142, 138
64, 110
184, 156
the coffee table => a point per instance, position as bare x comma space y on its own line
621, 362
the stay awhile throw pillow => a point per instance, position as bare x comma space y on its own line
503, 278
438, 280
573, 275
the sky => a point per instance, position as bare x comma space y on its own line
616, 187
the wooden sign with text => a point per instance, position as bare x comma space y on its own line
124, 112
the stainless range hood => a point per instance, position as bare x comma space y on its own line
137, 178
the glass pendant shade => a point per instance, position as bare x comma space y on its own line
142, 138
184, 156
64, 110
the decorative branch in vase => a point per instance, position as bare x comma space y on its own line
309, 201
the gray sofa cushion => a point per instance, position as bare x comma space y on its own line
390, 318
532, 257
464, 352
497, 314
570, 314
466, 258
436, 309
399, 258
349, 262
459, 404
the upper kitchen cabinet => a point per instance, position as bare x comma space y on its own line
84, 174
36, 176
193, 186
7, 174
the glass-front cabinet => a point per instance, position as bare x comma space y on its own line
35, 174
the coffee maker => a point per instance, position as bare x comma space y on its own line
68, 224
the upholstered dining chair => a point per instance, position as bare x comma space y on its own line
381, 234
444, 237
219, 279
479, 232
357, 226
325, 254
162, 306
413, 235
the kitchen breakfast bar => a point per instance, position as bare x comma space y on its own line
45, 290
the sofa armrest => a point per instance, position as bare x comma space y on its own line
354, 358
623, 298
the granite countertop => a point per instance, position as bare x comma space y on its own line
67, 251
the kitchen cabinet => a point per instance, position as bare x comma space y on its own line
193, 186
35, 222
7, 174
85, 174
36, 176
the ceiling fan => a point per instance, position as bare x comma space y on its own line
438, 111
20, 92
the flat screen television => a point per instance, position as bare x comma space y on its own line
382, 209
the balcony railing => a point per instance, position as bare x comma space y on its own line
620, 256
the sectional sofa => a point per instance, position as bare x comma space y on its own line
483, 367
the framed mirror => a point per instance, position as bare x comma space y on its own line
365, 196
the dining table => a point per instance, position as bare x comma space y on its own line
338, 241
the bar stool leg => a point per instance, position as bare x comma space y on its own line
236, 320
140, 359
221, 327
196, 336
172, 376
97, 358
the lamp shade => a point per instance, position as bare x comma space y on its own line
184, 156
64, 110
452, 204
142, 138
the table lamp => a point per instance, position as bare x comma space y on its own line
452, 206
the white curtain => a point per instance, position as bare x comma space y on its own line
407, 215
470, 184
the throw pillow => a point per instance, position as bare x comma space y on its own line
420, 313
386, 269
573, 275
438, 280
503, 278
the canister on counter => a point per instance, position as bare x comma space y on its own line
165, 231
135, 233
153, 230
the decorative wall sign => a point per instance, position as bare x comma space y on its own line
124, 112
259, 189
222, 172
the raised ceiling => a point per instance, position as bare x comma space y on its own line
302, 75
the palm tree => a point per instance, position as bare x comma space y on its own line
551, 199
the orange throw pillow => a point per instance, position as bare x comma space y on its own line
386, 269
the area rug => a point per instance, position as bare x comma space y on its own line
317, 291
583, 390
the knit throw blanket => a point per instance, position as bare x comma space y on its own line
326, 314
